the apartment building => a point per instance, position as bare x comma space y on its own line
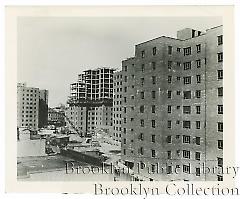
172, 104
43, 108
56, 116
117, 106
91, 100
31, 107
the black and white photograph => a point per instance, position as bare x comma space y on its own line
141, 95
114, 98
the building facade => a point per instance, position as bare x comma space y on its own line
117, 106
56, 116
32, 111
173, 106
91, 101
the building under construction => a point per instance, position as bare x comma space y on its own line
90, 104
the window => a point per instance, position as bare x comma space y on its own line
153, 79
198, 78
198, 140
169, 79
153, 108
169, 124
125, 68
186, 168
142, 123
169, 94
169, 154
198, 48
198, 63
143, 68
169, 109
153, 153
141, 137
220, 40
143, 54
187, 109
141, 151
178, 92
220, 162
186, 154
153, 65
124, 141
198, 125
124, 151
220, 126
178, 64
142, 81
153, 94
198, 109
198, 94
142, 95
198, 171
197, 155
186, 139
220, 109
186, 124
220, 57
220, 144
169, 50
141, 109
178, 49
220, 74
187, 80
169, 64
154, 51
125, 89
153, 138
220, 92
153, 166
169, 139
187, 51
187, 65
187, 94
153, 124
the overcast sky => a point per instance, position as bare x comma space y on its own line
53, 51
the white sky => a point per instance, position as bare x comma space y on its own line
53, 51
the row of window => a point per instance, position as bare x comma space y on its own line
28, 107
30, 95
186, 109
28, 124
187, 65
30, 90
186, 94
188, 79
185, 124
31, 99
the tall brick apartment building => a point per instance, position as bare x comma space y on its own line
32, 107
172, 103
91, 101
